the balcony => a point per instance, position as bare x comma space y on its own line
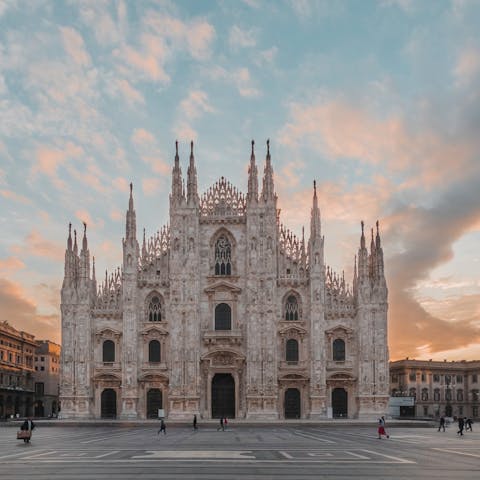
151, 367
300, 365
230, 337
107, 367
334, 365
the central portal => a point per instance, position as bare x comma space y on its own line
223, 396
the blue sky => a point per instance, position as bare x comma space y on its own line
377, 101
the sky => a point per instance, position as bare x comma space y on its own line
379, 101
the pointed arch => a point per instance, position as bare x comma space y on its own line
223, 249
154, 307
292, 306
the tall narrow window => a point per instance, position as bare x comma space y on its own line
155, 310
436, 394
425, 394
338, 350
291, 308
223, 317
223, 256
108, 351
291, 351
154, 351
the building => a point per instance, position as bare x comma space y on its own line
439, 388
16, 371
47, 378
224, 312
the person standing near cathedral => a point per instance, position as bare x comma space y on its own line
461, 424
195, 422
442, 423
221, 426
163, 427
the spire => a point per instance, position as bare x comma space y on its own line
377, 238
69, 240
144, 246
315, 223
252, 194
362, 238
372, 244
131, 222
93, 270
176, 195
268, 191
192, 195
84, 241
75, 248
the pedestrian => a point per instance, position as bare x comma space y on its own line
27, 426
225, 423
381, 428
461, 424
194, 422
221, 426
163, 427
442, 423
469, 422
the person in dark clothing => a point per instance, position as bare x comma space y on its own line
195, 422
27, 425
163, 427
221, 426
468, 422
442, 423
461, 424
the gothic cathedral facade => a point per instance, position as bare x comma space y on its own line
224, 312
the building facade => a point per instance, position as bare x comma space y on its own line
439, 388
224, 312
16, 372
47, 378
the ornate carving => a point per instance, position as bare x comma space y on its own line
222, 200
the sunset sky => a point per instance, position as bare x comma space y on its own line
378, 101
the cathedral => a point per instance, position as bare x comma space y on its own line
224, 312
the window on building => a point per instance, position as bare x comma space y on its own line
448, 379
394, 392
474, 378
475, 411
424, 377
39, 389
436, 377
459, 378
223, 317
436, 394
338, 350
412, 377
108, 351
425, 411
448, 395
223, 256
424, 394
155, 309
291, 353
460, 409
475, 395
42, 368
394, 378
154, 351
291, 308
460, 395
42, 359
412, 392
36, 359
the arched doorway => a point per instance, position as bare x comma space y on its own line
109, 403
292, 403
339, 403
154, 402
223, 396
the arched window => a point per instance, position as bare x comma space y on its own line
154, 351
223, 256
436, 394
108, 351
223, 317
338, 350
154, 311
460, 395
291, 351
412, 392
291, 308
424, 394
448, 395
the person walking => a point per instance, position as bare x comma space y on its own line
225, 423
221, 426
27, 426
468, 423
442, 423
381, 428
195, 422
461, 424
163, 427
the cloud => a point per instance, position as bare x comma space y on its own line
239, 77
468, 66
9, 194
266, 58
75, 46
183, 131
146, 145
123, 89
121, 184
405, 5
195, 105
150, 186
10, 265
239, 38
22, 313
142, 137
37, 245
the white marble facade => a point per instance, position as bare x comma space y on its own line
224, 312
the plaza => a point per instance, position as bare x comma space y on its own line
260, 451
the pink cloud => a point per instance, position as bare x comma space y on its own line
195, 104
74, 46
150, 186
141, 137
121, 184
37, 245
9, 194
468, 65
131, 95
11, 264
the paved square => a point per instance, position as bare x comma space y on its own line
243, 451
